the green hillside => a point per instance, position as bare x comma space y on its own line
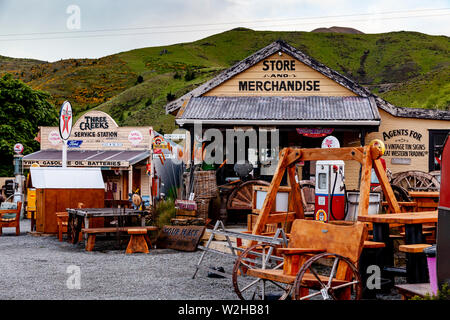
408, 69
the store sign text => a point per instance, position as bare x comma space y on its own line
283, 70
94, 123
76, 163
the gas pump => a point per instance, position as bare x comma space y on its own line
330, 191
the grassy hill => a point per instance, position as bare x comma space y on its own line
408, 69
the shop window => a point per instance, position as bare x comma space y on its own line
436, 141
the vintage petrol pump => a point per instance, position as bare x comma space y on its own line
330, 190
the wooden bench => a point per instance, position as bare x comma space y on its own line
413, 248
92, 233
416, 264
138, 241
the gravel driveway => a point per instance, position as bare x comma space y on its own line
36, 267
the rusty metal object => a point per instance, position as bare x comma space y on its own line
250, 288
241, 197
416, 180
327, 290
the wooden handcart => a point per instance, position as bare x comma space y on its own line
320, 262
321, 259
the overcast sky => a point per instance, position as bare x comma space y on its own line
58, 29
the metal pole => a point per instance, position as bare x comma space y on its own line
64, 154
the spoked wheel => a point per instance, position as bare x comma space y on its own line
415, 180
316, 281
249, 287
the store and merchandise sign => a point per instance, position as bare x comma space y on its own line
280, 75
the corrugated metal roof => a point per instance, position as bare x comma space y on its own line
281, 108
131, 156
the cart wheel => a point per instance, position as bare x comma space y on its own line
247, 287
314, 280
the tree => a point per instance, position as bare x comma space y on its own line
22, 111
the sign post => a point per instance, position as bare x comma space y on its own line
65, 128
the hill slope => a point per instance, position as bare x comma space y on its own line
408, 69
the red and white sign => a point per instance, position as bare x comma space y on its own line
18, 148
315, 132
65, 120
54, 137
135, 137
330, 142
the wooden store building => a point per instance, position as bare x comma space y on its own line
122, 153
280, 87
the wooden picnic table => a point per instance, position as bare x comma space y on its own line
426, 200
413, 235
78, 217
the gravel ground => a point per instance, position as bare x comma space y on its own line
36, 268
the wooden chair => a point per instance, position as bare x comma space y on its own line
308, 192
311, 242
61, 219
10, 218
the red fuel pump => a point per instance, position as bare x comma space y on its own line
330, 200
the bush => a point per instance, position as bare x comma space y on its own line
140, 79
190, 75
177, 75
165, 211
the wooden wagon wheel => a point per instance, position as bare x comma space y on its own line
316, 281
401, 194
416, 181
252, 288
241, 197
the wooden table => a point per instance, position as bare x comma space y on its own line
413, 234
426, 200
79, 216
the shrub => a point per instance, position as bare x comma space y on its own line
443, 294
140, 79
165, 211
190, 75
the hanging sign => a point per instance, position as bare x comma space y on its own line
330, 142
65, 120
158, 144
315, 132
